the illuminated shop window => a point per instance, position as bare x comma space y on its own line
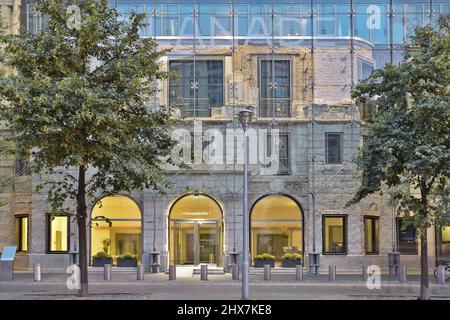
21, 226
371, 234
58, 233
334, 235
276, 227
116, 227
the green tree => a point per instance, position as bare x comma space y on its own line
80, 100
409, 136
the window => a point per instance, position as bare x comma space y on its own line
371, 234
276, 227
21, 228
444, 244
275, 88
365, 69
198, 94
406, 237
57, 234
333, 148
326, 20
334, 234
283, 151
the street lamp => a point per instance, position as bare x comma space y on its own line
245, 118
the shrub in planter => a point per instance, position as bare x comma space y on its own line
127, 260
264, 259
101, 258
291, 260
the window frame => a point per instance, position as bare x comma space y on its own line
341, 147
48, 233
288, 146
375, 236
18, 219
398, 222
221, 59
291, 79
345, 219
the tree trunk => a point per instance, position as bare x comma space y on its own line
82, 239
424, 283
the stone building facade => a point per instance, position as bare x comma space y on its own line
295, 70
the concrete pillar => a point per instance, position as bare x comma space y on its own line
235, 271
140, 272
107, 272
440, 275
403, 274
299, 272
267, 272
172, 272
204, 272
37, 272
332, 273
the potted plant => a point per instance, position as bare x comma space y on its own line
127, 260
291, 260
101, 258
263, 259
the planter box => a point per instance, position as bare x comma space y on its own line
290, 263
261, 263
126, 263
101, 262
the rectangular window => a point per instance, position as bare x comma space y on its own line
333, 146
197, 95
371, 234
365, 69
283, 152
21, 228
444, 244
334, 234
406, 237
275, 88
57, 234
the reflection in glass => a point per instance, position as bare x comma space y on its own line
406, 237
371, 235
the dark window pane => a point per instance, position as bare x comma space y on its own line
283, 151
333, 148
275, 88
406, 235
199, 95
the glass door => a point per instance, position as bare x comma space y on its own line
208, 242
184, 242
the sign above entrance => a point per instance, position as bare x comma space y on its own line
204, 213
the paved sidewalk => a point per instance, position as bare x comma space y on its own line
283, 286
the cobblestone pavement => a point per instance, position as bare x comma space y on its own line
124, 285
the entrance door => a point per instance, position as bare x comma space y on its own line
196, 242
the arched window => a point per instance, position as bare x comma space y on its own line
196, 230
116, 228
276, 227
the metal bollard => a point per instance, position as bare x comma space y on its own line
140, 272
332, 273
267, 272
37, 272
299, 272
235, 272
403, 274
441, 275
364, 273
172, 272
204, 272
107, 272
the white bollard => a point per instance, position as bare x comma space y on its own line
37, 272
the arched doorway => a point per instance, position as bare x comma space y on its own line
276, 227
196, 230
116, 227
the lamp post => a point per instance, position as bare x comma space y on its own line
245, 118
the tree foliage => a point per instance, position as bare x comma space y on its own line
65, 112
408, 143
